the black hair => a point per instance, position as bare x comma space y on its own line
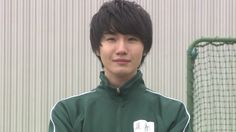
121, 16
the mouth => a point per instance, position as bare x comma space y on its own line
121, 61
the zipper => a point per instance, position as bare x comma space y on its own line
118, 90
119, 111
118, 121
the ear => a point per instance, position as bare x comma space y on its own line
97, 53
144, 54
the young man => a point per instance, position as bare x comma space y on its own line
121, 37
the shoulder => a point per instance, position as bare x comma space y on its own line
171, 109
163, 99
69, 110
72, 107
167, 104
74, 102
82, 96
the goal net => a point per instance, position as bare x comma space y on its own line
212, 85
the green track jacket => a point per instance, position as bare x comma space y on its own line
131, 108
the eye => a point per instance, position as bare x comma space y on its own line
110, 39
133, 38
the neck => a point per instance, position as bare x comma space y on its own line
117, 81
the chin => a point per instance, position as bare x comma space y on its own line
124, 72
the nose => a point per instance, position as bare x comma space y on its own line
121, 47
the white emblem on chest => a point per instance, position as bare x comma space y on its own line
143, 126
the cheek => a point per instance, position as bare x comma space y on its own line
104, 56
138, 55
139, 52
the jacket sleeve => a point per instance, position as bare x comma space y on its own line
182, 121
59, 119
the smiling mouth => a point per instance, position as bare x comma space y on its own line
121, 61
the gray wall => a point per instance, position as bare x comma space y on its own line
45, 52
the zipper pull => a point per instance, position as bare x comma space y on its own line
118, 90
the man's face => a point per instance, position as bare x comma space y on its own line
120, 54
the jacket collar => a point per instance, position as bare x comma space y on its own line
132, 86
